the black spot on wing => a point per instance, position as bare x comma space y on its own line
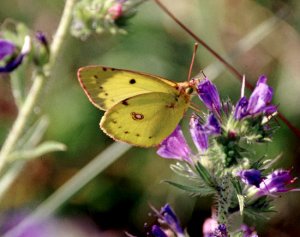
124, 102
106, 94
104, 69
132, 81
137, 116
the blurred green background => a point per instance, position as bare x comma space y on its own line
118, 199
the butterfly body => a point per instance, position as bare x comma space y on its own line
141, 109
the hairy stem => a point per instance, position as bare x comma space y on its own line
36, 88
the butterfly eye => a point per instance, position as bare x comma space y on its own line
189, 90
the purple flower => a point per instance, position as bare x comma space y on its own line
9, 58
42, 39
7, 48
251, 177
116, 10
175, 147
241, 108
260, 97
212, 125
167, 217
209, 225
211, 228
276, 182
209, 95
199, 136
259, 101
248, 232
220, 231
157, 231
200, 133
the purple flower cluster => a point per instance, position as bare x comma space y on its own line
220, 137
176, 147
258, 103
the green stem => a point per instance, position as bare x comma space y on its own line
22, 117
37, 86
71, 187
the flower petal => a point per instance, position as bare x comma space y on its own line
169, 217
260, 97
198, 134
6, 48
209, 225
209, 95
212, 125
251, 177
157, 231
248, 231
9, 67
116, 10
42, 39
270, 109
276, 182
15, 62
175, 147
241, 108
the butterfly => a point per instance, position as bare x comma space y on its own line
141, 109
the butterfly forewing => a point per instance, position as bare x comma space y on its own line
107, 86
144, 120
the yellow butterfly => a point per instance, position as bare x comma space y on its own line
141, 109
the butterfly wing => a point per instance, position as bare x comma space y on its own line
146, 119
107, 86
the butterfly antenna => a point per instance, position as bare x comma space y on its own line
192, 62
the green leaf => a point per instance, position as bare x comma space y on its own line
38, 151
241, 199
34, 134
197, 190
205, 175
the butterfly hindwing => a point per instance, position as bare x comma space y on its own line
144, 120
107, 86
